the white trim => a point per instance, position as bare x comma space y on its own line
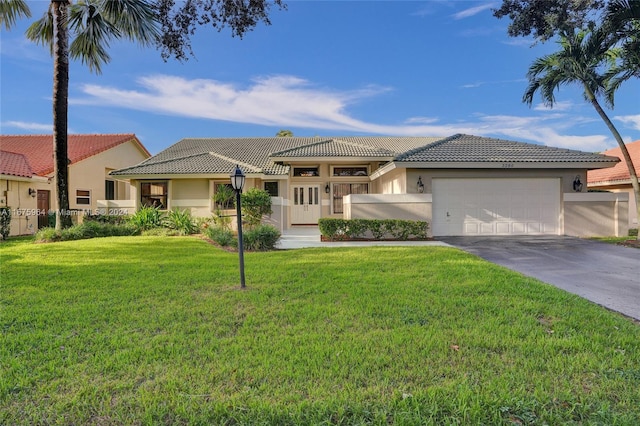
33, 178
382, 170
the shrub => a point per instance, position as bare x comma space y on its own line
261, 238
5, 222
84, 231
147, 218
180, 221
103, 218
221, 220
47, 235
255, 204
633, 232
379, 228
222, 236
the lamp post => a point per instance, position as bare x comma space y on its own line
237, 182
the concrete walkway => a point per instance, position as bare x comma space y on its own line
309, 236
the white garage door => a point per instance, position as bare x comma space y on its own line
496, 206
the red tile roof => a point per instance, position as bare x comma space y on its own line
13, 164
38, 149
620, 171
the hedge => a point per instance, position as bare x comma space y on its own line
377, 229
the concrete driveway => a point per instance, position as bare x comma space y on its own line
606, 274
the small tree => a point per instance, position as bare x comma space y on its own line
223, 197
255, 204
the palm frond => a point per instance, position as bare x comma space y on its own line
135, 19
11, 11
41, 31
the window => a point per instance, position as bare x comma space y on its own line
350, 171
154, 194
271, 188
109, 190
83, 197
342, 189
305, 171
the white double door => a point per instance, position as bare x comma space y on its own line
305, 206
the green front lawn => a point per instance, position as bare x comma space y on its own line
154, 330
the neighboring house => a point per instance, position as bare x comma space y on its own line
462, 185
27, 183
617, 179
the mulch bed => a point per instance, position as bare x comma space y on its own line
630, 243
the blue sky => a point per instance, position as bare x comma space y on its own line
328, 68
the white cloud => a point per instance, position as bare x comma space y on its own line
557, 106
32, 127
519, 42
632, 121
421, 120
291, 102
473, 10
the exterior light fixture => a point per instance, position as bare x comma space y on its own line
237, 182
32, 192
577, 185
420, 185
327, 189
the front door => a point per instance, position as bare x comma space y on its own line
306, 205
43, 208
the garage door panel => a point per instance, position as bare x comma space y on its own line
488, 206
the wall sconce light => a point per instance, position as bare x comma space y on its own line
327, 189
577, 185
32, 192
420, 185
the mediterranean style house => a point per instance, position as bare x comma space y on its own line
617, 178
27, 183
461, 185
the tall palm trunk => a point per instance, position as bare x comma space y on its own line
60, 11
623, 148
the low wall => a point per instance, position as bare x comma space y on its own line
585, 214
596, 214
388, 206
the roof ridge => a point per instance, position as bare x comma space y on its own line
352, 143
431, 145
232, 160
323, 141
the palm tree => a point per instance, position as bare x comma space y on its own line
580, 61
284, 134
93, 24
621, 23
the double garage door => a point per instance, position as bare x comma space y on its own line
516, 206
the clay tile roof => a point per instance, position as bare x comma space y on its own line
13, 164
38, 149
470, 149
266, 155
620, 172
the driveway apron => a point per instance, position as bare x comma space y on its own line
606, 274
